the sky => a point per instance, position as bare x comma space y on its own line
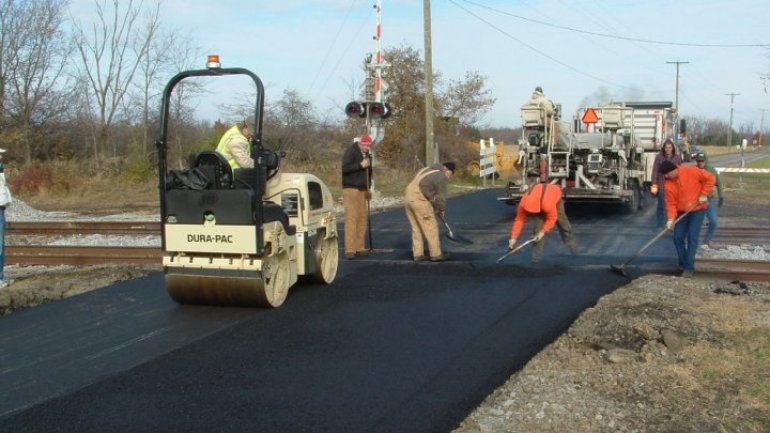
574, 49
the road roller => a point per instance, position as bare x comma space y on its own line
242, 236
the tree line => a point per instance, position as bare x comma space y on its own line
90, 91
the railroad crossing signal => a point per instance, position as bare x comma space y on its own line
374, 110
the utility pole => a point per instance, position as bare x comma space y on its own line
431, 153
676, 100
730, 129
761, 129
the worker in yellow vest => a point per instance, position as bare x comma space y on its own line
235, 145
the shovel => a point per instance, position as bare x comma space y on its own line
621, 269
451, 235
515, 250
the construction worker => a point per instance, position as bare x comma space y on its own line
235, 145
701, 160
538, 99
356, 183
667, 153
687, 191
425, 198
544, 202
5, 200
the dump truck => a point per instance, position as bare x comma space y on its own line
604, 155
241, 236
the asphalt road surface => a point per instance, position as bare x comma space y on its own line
390, 346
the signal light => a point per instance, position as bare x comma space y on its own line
355, 109
212, 61
378, 110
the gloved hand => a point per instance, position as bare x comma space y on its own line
539, 236
511, 243
721, 202
441, 214
366, 163
702, 198
368, 195
654, 189
670, 225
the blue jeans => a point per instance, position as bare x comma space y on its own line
2, 243
686, 236
711, 215
660, 212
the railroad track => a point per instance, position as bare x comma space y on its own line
741, 270
746, 270
147, 228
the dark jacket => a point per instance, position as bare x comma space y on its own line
353, 175
433, 187
657, 176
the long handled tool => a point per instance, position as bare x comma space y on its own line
452, 235
369, 210
516, 250
621, 269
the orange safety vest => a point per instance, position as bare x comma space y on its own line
542, 198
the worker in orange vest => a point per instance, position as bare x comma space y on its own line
544, 202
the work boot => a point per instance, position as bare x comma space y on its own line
536, 259
573, 248
419, 259
686, 274
439, 258
350, 256
362, 253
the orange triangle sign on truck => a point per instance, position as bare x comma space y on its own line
590, 116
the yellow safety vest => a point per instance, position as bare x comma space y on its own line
222, 148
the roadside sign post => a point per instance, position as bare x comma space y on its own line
487, 160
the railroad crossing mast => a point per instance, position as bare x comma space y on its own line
374, 107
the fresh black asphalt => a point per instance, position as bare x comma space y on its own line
390, 346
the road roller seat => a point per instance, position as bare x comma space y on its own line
216, 168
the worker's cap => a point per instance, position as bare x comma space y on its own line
700, 156
538, 89
365, 140
450, 165
667, 167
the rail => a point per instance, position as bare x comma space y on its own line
52, 228
80, 255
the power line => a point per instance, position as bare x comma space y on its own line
624, 38
535, 49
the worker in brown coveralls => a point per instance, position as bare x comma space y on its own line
425, 198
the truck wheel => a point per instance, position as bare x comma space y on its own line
276, 274
327, 258
634, 203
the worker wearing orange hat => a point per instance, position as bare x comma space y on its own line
356, 184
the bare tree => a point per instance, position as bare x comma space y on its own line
170, 52
467, 100
37, 56
111, 52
